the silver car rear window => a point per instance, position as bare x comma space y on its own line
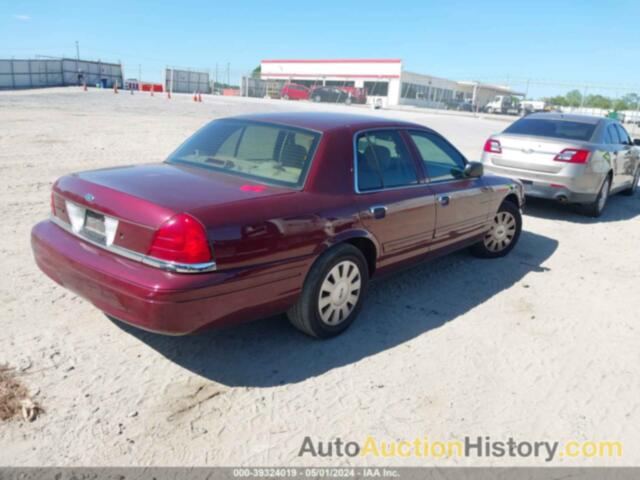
553, 128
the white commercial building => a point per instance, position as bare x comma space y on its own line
384, 79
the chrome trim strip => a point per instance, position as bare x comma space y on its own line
139, 257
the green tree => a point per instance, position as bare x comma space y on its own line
557, 101
598, 101
574, 98
632, 100
620, 104
256, 72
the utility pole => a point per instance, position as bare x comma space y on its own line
228, 73
77, 50
139, 74
215, 85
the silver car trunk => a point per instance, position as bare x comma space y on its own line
531, 153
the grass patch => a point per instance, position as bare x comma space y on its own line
14, 397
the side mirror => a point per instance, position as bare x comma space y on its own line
473, 170
636, 142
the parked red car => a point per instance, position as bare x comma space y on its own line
263, 214
293, 91
331, 94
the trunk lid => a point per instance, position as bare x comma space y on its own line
141, 198
531, 153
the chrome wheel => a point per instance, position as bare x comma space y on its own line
339, 292
502, 232
604, 194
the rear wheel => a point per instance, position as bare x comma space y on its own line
634, 186
503, 234
286, 97
317, 99
596, 208
332, 294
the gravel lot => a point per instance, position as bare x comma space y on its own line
541, 345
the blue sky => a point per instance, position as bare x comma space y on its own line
555, 44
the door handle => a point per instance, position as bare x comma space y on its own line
378, 211
444, 200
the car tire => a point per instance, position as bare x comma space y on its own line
634, 186
323, 309
348, 101
503, 235
317, 99
596, 208
286, 97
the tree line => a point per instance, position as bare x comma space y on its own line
574, 98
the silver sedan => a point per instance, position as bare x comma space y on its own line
570, 158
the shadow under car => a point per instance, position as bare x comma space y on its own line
271, 352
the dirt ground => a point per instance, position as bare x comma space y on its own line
541, 345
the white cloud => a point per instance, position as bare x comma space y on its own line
22, 17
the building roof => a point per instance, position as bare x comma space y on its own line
499, 88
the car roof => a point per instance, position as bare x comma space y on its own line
325, 121
568, 116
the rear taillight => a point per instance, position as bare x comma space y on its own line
181, 239
573, 155
492, 146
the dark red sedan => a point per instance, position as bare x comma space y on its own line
263, 214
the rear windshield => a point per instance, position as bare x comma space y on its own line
554, 128
261, 151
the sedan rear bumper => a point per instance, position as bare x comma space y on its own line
574, 185
161, 301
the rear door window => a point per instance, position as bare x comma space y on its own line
622, 134
383, 161
614, 134
554, 128
610, 135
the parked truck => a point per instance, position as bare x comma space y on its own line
504, 104
532, 106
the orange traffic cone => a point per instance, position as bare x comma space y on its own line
115, 87
84, 87
199, 97
151, 90
168, 94
195, 97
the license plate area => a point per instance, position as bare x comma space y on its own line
94, 227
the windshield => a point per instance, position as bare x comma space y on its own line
273, 153
554, 128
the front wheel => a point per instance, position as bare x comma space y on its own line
503, 234
332, 293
